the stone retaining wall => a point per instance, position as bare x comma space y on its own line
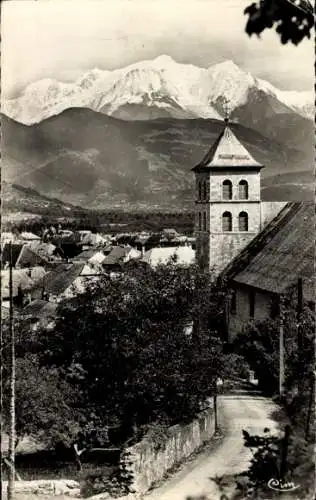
147, 463
56, 487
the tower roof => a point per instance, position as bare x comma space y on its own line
227, 152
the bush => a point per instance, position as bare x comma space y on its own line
235, 365
95, 480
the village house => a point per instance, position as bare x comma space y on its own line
23, 283
39, 314
90, 239
24, 255
181, 255
278, 259
93, 255
18, 237
66, 281
119, 255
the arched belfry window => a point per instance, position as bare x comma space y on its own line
227, 190
200, 221
200, 190
243, 190
227, 223
243, 221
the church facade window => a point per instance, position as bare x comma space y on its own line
200, 190
227, 222
204, 221
204, 190
252, 303
233, 302
243, 190
243, 221
227, 190
200, 221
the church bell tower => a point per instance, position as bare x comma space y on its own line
228, 202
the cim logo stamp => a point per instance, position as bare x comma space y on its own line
282, 486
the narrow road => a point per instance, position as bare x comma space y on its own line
227, 456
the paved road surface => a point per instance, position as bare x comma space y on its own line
236, 412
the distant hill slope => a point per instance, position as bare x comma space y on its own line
24, 201
93, 160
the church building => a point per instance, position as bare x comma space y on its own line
229, 212
262, 248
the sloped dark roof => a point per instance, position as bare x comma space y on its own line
86, 254
66, 239
23, 279
226, 152
280, 254
16, 250
40, 308
116, 255
29, 258
58, 280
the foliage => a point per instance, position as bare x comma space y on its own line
157, 434
293, 19
234, 365
45, 404
100, 479
264, 464
122, 345
259, 344
111, 222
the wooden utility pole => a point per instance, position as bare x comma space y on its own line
300, 329
299, 313
310, 406
11, 478
284, 450
281, 347
215, 406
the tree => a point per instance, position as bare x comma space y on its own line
45, 404
293, 19
124, 346
259, 344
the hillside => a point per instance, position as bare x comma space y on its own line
93, 160
20, 202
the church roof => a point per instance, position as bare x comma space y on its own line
226, 152
281, 254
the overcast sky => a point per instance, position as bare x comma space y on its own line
63, 38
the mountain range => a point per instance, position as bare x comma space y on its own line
129, 137
157, 88
89, 159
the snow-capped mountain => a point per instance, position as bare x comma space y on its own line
155, 89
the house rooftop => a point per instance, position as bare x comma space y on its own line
15, 252
57, 281
40, 308
281, 254
182, 255
24, 279
116, 255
